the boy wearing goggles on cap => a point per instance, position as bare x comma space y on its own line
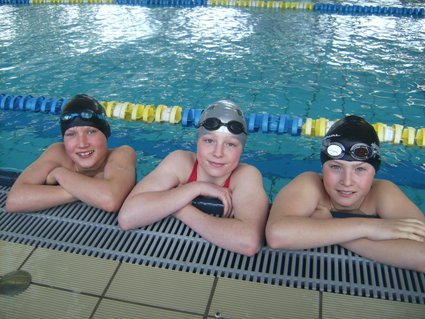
81, 168
311, 210
215, 172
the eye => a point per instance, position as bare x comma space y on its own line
335, 167
69, 133
361, 169
231, 145
92, 131
208, 140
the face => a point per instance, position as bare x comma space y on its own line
86, 146
347, 183
218, 153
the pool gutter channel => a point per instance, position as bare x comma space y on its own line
79, 228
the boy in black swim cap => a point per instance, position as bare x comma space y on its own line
81, 168
351, 139
83, 110
304, 212
213, 171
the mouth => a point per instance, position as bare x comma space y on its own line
215, 164
85, 154
345, 193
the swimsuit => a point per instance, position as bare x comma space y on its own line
194, 176
348, 215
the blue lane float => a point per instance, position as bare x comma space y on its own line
256, 122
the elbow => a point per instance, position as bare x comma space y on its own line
251, 246
276, 238
12, 206
420, 267
123, 221
111, 207
111, 203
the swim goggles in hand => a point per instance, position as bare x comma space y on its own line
85, 115
213, 124
359, 151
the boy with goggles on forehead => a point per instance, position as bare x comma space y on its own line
345, 205
81, 168
213, 171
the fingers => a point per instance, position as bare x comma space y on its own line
226, 199
412, 229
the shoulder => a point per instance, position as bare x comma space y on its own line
178, 162
56, 147
123, 150
55, 152
389, 201
179, 159
180, 155
244, 169
309, 184
312, 179
382, 187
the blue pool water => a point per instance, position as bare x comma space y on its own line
295, 62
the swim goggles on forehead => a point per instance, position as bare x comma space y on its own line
359, 151
213, 124
85, 115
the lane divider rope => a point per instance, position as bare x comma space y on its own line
271, 4
257, 122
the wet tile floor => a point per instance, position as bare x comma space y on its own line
67, 285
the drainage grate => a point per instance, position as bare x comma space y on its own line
79, 228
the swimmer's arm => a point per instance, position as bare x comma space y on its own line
109, 191
158, 194
391, 202
297, 222
244, 233
30, 193
401, 253
404, 253
291, 224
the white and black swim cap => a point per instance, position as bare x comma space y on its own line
351, 139
223, 116
83, 110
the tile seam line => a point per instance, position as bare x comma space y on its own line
101, 297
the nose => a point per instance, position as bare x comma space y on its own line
82, 140
346, 178
218, 150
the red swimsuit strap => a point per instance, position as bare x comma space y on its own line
194, 175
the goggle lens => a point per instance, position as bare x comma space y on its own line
358, 151
85, 115
213, 124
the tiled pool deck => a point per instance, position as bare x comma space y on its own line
67, 285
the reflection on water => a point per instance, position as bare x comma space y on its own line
293, 62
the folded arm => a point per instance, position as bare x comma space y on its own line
49, 182
162, 192
244, 233
108, 190
30, 193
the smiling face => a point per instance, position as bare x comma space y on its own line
218, 154
347, 182
86, 146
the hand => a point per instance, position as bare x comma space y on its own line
384, 229
222, 193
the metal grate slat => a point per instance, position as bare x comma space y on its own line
82, 229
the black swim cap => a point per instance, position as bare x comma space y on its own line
351, 139
83, 110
